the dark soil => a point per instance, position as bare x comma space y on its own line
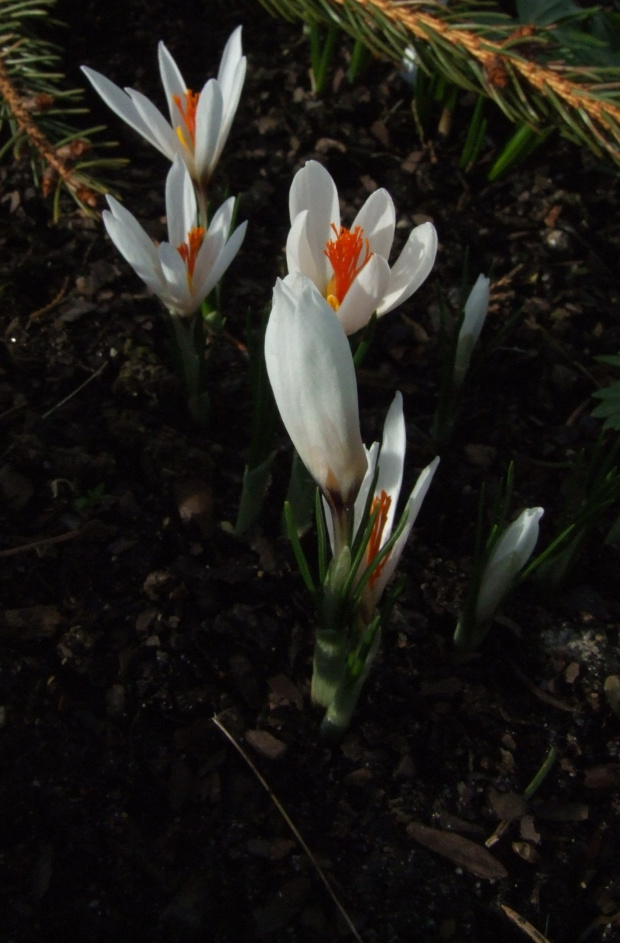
130, 615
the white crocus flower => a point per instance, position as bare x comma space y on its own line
311, 371
508, 557
391, 461
350, 266
183, 271
476, 310
199, 121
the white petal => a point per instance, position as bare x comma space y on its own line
509, 556
313, 189
208, 126
476, 307
364, 295
120, 103
377, 218
301, 256
160, 133
476, 310
222, 219
220, 264
179, 298
312, 375
413, 509
231, 76
133, 247
412, 266
181, 209
520, 537
131, 224
172, 80
392, 459
231, 56
214, 243
360, 502
314, 193
231, 102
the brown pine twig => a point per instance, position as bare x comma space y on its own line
496, 60
58, 166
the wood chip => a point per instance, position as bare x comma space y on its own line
323, 145
359, 777
507, 805
285, 692
602, 777
30, 623
528, 829
524, 925
561, 811
194, 500
380, 131
612, 693
266, 744
462, 851
526, 851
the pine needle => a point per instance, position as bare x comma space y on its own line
523, 67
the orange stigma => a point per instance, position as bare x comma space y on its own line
345, 255
189, 249
383, 501
188, 113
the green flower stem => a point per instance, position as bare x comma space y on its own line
330, 658
190, 353
191, 360
346, 695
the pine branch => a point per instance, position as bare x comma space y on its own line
527, 69
36, 109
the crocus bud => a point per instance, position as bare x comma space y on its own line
508, 557
476, 309
312, 375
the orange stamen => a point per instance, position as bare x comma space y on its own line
345, 255
189, 249
188, 113
374, 544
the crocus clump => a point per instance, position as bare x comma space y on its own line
311, 370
